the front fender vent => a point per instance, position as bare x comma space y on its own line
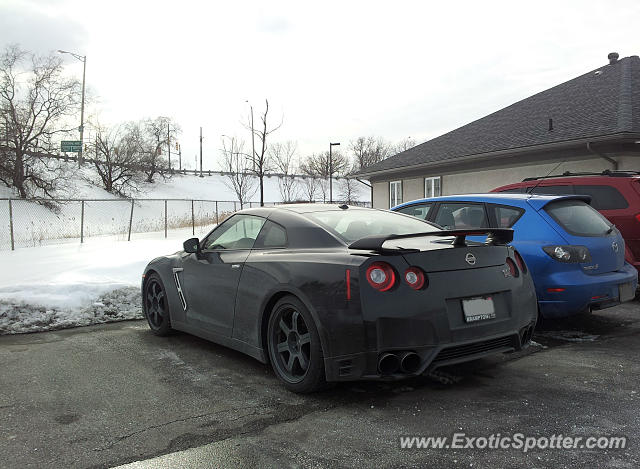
176, 271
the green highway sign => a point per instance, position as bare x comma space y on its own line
72, 146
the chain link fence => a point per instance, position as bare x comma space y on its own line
27, 223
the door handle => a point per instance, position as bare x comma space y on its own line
235, 266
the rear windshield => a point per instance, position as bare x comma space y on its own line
351, 225
603, 197
578, 218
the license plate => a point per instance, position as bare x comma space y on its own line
627, 292
478, 309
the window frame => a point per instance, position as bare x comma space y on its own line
399, 199
432, 179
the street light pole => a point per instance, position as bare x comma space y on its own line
201, 175
83, 59
169, 145
331, 145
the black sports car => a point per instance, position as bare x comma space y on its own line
338, 293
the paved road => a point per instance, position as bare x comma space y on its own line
114, 394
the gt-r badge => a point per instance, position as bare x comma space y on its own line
470, 258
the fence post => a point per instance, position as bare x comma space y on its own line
13, 245
234, 207
193, 219
217, 216
165, 218
130, 220
82, 222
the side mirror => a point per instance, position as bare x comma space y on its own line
191, 245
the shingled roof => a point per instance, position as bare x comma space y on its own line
603, 102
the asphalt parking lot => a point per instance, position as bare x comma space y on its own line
114, 394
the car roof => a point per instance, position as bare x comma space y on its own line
608, 179
301, 208
510, 198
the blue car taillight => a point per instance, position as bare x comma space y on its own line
569, 254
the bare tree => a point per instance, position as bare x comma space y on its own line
348, 192
310, 187
157, 134
369, 150
317, 165
259, 160
404, 145
239, 179
283, 157
35, 100
117, 159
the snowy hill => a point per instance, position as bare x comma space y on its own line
104, 214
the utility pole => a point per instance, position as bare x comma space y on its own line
83, 59
253, 140
180, 157
169, 143
201, 175
331, 145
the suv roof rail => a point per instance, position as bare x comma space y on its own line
606, 172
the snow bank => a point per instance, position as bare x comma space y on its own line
52, 287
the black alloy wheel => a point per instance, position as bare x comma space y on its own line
156, 307
294, 346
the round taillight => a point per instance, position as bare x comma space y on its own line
381, 276
512, 267
520, 261
414, 276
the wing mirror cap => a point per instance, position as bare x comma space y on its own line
191, 245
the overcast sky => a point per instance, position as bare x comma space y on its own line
331, 70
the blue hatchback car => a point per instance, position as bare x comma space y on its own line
575, 256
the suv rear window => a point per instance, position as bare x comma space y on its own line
550, 190
578, 218
603, 197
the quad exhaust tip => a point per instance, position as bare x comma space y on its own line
388, 363
409, 362
406, 362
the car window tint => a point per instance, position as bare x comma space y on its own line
551, 190
271, 236
461, 215
506, 217
238, 232
418, 210
603, 197
351, 225
518, 190
578, 218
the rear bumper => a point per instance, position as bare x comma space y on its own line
364, 366
583, 292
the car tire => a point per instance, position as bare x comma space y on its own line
156, 306
294, 347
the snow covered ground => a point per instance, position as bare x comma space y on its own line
68, 285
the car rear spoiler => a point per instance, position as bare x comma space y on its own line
495, 236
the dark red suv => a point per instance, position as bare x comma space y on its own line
615, 194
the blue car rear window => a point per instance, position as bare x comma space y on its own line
578, 218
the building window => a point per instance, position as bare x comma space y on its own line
432, 187
395, 193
